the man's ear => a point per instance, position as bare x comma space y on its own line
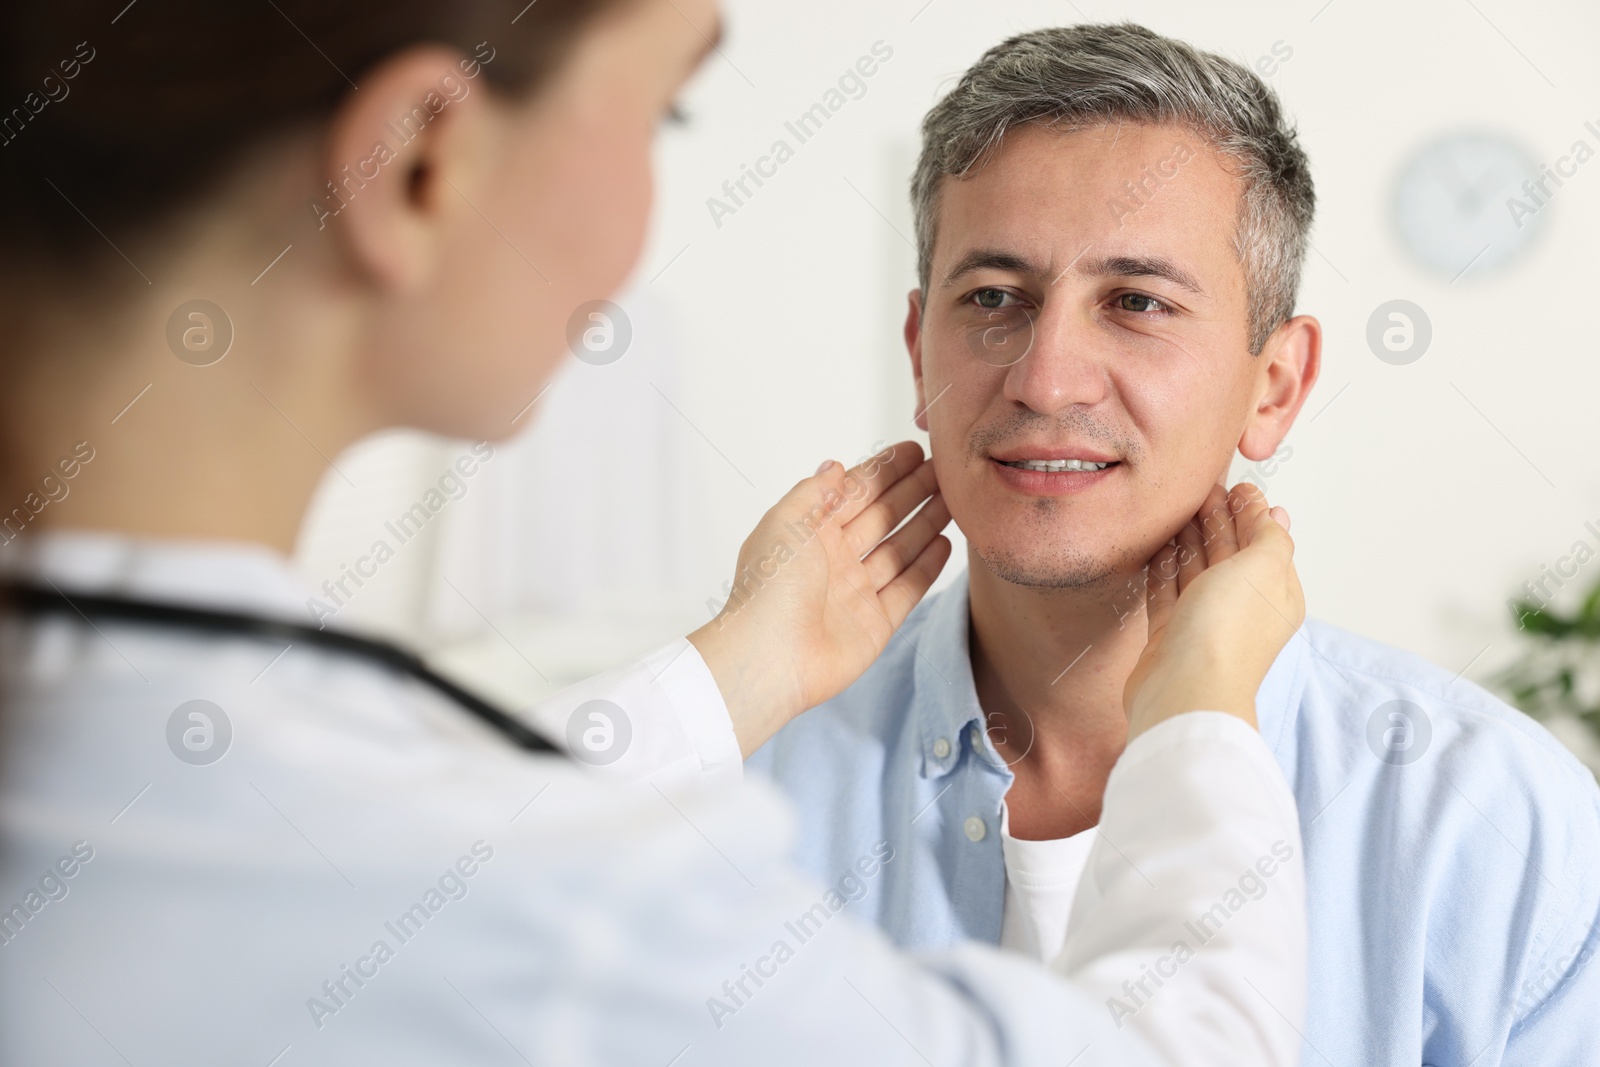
396, 146
1290, 362
913, 332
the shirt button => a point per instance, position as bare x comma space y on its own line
941, 748
975, 828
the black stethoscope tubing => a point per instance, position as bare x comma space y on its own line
29, 599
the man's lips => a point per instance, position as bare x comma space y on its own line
1054, 475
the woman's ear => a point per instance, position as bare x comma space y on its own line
1289, 364
913, 335
403, 153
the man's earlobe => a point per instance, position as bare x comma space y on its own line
1292, 361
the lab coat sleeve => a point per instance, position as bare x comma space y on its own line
725, 954
660, 718
1189, 924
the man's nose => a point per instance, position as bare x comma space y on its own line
1063, 364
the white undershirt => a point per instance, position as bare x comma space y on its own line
1041, 880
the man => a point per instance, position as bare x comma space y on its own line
1111, 226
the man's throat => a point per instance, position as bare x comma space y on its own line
1059, 774
1049, 676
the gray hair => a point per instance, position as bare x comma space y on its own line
1070, 78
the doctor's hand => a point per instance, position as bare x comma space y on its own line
1222, 601
821, 586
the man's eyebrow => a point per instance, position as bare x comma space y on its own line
1141, 267
991, 259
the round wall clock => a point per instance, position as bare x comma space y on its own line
1462, 202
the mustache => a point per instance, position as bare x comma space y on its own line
1074, 423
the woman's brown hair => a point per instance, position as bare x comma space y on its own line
115, 114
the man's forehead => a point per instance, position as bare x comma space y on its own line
1047, 200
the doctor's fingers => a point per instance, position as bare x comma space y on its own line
865, 483
1161, 588
1191, 554
901, 595
886, 562
1246, 503
890, 509
1217, 521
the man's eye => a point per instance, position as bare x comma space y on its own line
1140, 302
990, 298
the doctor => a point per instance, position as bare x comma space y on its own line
232, 839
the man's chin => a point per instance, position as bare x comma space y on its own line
1065, 569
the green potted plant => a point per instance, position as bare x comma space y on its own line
1558, 676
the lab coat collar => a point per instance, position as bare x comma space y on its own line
227, 575
946, 699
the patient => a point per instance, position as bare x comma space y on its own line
1111, 226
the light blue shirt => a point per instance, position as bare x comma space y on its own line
1452, 853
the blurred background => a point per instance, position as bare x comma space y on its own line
1443, 466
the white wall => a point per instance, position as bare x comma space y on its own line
1415, 514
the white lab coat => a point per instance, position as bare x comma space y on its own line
369, 875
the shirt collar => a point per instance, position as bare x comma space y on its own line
229, 575
946, 699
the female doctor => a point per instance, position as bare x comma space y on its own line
229, 837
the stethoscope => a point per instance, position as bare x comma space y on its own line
31, 599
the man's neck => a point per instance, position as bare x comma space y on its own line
1049, 666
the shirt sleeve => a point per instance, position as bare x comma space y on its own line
1189, 924
660, 718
